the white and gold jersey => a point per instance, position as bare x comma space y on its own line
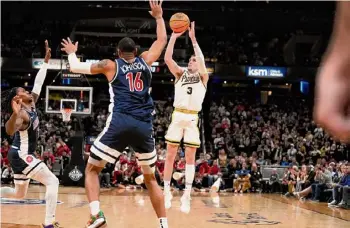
189, 92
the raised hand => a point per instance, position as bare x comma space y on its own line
156, 8
191, 31
68, 46
47, 52
177, 35
16, 104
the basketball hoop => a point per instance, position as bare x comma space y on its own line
66, 113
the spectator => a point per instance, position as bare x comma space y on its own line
324, 179
338, 187
290, 180
105, 175
274, 184
291, 151
63, 152
204, 171
222, 162
232, 167
5, 148
7, 175
301, 178
48, 159
160, 169
346, 198
255, 178
242, 183
284, 162
213, 173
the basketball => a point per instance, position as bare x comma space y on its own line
179, 22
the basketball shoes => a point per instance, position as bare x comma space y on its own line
167, 199
185, 203
97, 221
53, 225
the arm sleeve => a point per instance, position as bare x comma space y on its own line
40, 78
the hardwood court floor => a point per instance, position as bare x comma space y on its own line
132, 209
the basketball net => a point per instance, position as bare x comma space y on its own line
66, 113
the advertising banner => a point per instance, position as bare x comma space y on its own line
266, 72
54, 64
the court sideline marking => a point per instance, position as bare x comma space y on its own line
308, 209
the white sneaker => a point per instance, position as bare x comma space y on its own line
333, 203
185, 204
167, 199
342, 203
296, 194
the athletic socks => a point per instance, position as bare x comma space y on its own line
166, 186
163, 223
51, 196
94, 207
189, 176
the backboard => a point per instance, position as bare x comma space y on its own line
77, 98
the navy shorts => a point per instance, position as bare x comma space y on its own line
24, 165
123, 131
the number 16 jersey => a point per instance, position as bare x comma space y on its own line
189, 92
130, 89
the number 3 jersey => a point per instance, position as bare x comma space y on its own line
130, 89
189, 91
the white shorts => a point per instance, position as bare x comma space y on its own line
183, 125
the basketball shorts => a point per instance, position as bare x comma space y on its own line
24, 165
121, 131
183, 126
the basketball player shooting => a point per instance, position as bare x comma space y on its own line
190, 89
332, 99
24, 125
130, 119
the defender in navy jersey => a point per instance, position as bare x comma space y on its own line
24, 125
130, 119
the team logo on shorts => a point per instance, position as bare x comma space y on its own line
29, 159
75, 174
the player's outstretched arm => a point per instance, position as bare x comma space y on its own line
199, 55
168, 57
41, 75
158, 46
18, 119
106, 66
332, 97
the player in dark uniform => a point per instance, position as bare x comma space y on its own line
24, 125
130, 119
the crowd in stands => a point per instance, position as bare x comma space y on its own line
221, 42
250, 136
25, 36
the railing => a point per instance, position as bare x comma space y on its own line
266, 171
